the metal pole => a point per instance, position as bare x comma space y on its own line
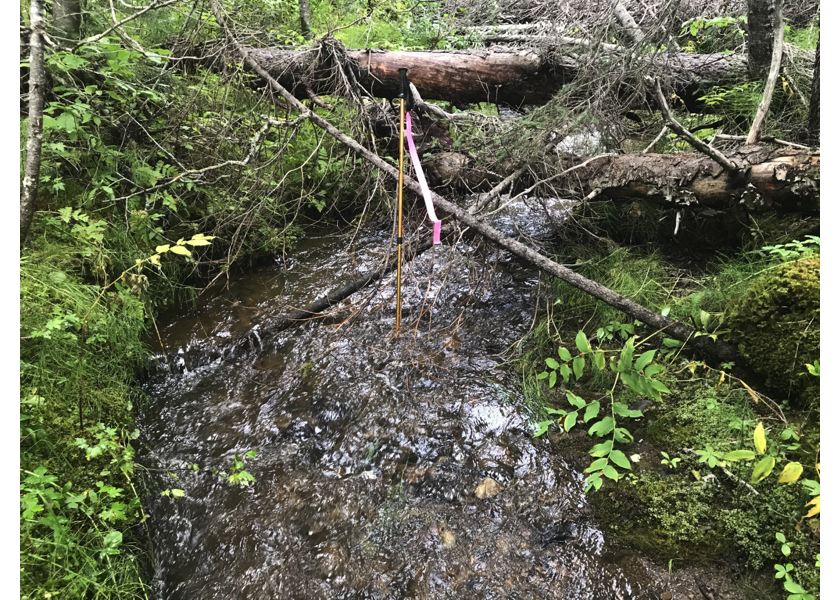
399, 215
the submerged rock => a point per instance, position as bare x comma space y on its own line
488, 488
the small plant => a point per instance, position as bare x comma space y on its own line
785, 572
238, 475
669, 462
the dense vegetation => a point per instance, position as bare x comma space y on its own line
159, 174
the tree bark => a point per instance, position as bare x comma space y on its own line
814, 113
37, 85
305, 19
472, 76
657, 321
760, 28
67, 18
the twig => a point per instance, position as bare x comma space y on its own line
439, 112
772, 76
765, 138
96, 38
485, 199
317, 100
553, 177
255, 141
655, 140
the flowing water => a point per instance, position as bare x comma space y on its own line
373, 452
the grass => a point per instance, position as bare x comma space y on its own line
77, 503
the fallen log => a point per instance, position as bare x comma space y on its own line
471, 76
680, 331
785, 178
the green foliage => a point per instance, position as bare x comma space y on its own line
719, 34
777, 324
638, 376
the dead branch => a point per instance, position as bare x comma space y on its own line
772, 75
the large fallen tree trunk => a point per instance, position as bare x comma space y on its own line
784, 178
471, 76
655, 320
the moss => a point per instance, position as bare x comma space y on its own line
696, 415
664, 517
777, 324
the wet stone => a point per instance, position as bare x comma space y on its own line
488, 488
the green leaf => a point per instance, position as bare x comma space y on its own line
739, 455
759, 438
552, 379
622, 435
659, 386
542, 375
791, 472
602, 449
570, 421
596, 465
162, 249
669, 343
602, 427
592, 411
552, 364
554, 411
66, 121
578, 364
565, 372
178, 493
644, 360
565, 355
180, 250
653, 370
582, 343
626, 360
619, 458
762, 469
542, 427
792, 586
575, 400
198, 242
600, 361
610, 473
621, 410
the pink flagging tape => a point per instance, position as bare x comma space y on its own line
418, 170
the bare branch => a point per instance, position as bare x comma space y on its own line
772, 76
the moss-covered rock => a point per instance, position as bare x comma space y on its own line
777, 325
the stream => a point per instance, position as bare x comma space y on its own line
386, 467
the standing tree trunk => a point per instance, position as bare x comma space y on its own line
67, 18
305, 19
814, 114
760, 27
37, 84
